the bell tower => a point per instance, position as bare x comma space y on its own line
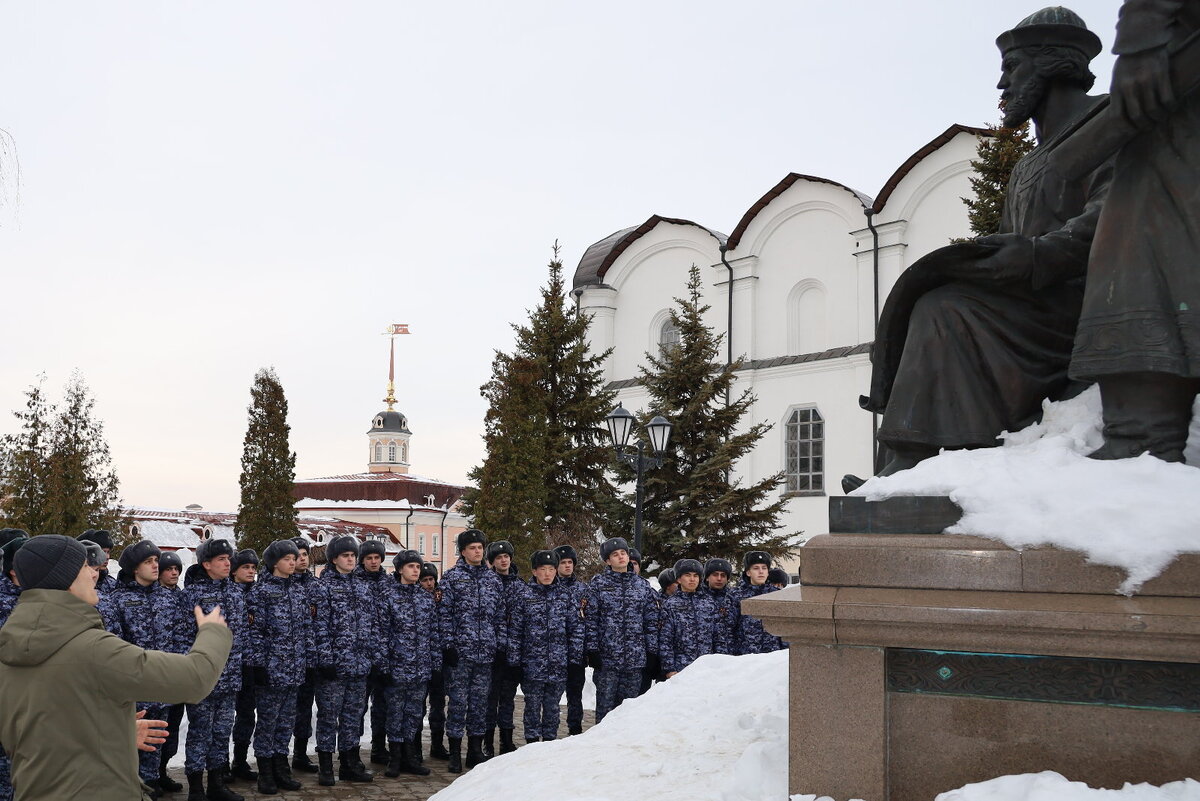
388, 437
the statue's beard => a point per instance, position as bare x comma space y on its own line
1020, 106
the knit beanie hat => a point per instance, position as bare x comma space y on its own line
370, 547
566, 552
543, 559
429, 569
499, 547
470, 536
713, 565
755, 558
134, 555
666, 578
246, 556
613, 544
49, 562
169, 559
98, 536
688, 566
341, 545
8, 551
211, 549
777, 575
276, 551
405, 558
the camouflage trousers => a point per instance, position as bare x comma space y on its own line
501, 698
276, 709
243, 722
405, 710
576, 678
377, 697
339, 713
148, 761
171, 747
304, 708
467, 685
613, 687
541, 708
437, 701
210, 723
6, 790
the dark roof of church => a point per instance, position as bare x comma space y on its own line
380, 487
601, 255
392, 421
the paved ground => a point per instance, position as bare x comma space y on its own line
404, 788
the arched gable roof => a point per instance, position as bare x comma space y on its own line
916, 158
600, 256
778, 190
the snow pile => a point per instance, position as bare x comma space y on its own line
717, 731
1050, 786
1040, 489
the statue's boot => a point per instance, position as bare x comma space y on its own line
1146, 413
902, 459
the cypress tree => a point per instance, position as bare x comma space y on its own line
267, 510
996, 156
692, 507
25, 465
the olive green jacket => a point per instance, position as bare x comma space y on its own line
67, 693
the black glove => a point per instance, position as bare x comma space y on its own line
501, 657
247, 675
327, 672
653, 665
310, 676
515, 673
381, 677
450, 657
593, 659
260, 677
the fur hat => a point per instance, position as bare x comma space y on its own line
755, 558
211, 549
134, 555
543, 559
777, 575
301, 543
369, 547
340, 545
276, 551
666, 577
635, 555
500, 547
169, 559
8, 551
470, 536
611, 545
7, 535
49, 562
713, 565
246, 556
429, 569
407, 558
566, 552
687, 566
98, 536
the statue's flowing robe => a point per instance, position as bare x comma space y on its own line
1141, 308
957, 362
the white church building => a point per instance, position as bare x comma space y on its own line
796, 287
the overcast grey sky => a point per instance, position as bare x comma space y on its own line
207, 188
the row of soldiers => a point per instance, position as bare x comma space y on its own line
405, 643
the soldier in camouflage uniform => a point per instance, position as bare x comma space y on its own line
348, 646
545, 636
413, 653
576, 674
245, 571
436, 694
210, 723
778, 577
306, 579
668, 583
279, 645
10, 591
370, 571
473, 630
170, 570
750, 637
689, 625
717, 573
622, 620
105, 583
503, 691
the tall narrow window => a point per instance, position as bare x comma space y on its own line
804, 452
404, 453
378, 451
391, 453
668, 336
436, 542
421, 544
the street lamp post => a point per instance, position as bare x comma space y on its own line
620, 427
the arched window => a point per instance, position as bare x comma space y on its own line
135, 531
808, 318
391, 453
804, 452
379, 451
668, 336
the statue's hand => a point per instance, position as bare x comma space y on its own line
1141, 89
1011, 262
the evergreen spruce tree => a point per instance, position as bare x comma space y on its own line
692, 508
996, 156
25, 465
544, 481
267, 510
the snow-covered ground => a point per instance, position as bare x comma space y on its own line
1039, 488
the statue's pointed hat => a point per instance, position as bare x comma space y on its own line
1052, 26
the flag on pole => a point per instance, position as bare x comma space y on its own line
397, 328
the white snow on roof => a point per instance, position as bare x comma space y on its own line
317, 503
374, 477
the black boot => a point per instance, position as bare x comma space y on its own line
165, 783
436, 749
455, 757
507, 746
488, 745
240, 769
266, 776
325, 769
1146, 413
395, 765
417, 750
351, 768
529, 740
379, 748
475, 755
196, 786
155, 790
217, 791
412, 763
574, 729
283, 774
300, 760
